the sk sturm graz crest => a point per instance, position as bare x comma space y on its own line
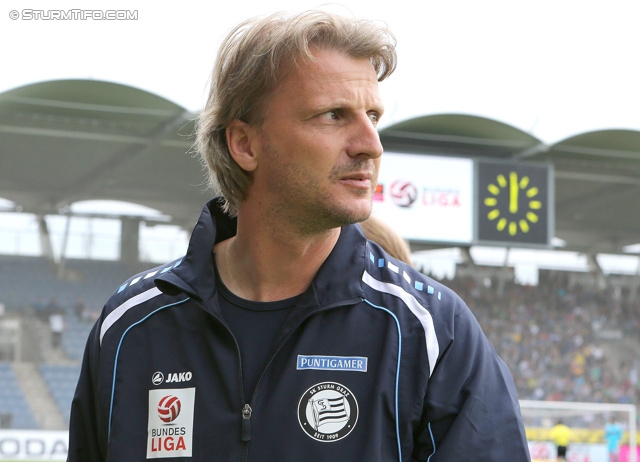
328, 411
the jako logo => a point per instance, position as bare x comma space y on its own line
179, 377
157, 378
403, 193
169, 408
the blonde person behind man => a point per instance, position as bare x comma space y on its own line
378, 231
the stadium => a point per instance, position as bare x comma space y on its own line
558, 302
534, 221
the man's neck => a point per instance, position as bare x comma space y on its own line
263, 263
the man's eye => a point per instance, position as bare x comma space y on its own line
332, 115
374, 117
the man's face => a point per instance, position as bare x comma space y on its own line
320, 149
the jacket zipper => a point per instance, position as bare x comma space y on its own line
247, 411
245, 432
246, 423
281, 345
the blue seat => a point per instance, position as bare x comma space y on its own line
61, 381
13, 401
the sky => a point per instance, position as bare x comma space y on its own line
551, 68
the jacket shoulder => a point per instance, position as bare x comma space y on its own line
138, 286
386, 274
137, 291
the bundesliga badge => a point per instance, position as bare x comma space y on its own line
170, 430
328, 411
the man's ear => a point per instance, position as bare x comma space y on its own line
239, 141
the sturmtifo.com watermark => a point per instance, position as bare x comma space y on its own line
74, 15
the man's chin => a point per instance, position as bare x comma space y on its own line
357, 214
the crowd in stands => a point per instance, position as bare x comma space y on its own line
553, 339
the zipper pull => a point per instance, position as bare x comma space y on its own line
246, 423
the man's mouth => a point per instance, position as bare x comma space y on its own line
357, 179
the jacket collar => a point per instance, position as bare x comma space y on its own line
338, 279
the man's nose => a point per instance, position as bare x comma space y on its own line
365, 140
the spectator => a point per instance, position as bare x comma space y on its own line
81, 310
56, 327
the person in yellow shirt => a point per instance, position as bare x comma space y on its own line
561, 436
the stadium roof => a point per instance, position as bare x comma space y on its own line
69, 140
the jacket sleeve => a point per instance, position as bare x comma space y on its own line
471, 411
87, 436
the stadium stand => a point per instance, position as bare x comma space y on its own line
75, 336
27, 281
15, 412
61, 381
29, 286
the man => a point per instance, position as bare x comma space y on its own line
283, 334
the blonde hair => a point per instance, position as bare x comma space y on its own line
253, 58
382, 234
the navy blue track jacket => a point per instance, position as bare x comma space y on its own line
376, 362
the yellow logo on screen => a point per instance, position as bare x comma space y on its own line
513, 203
